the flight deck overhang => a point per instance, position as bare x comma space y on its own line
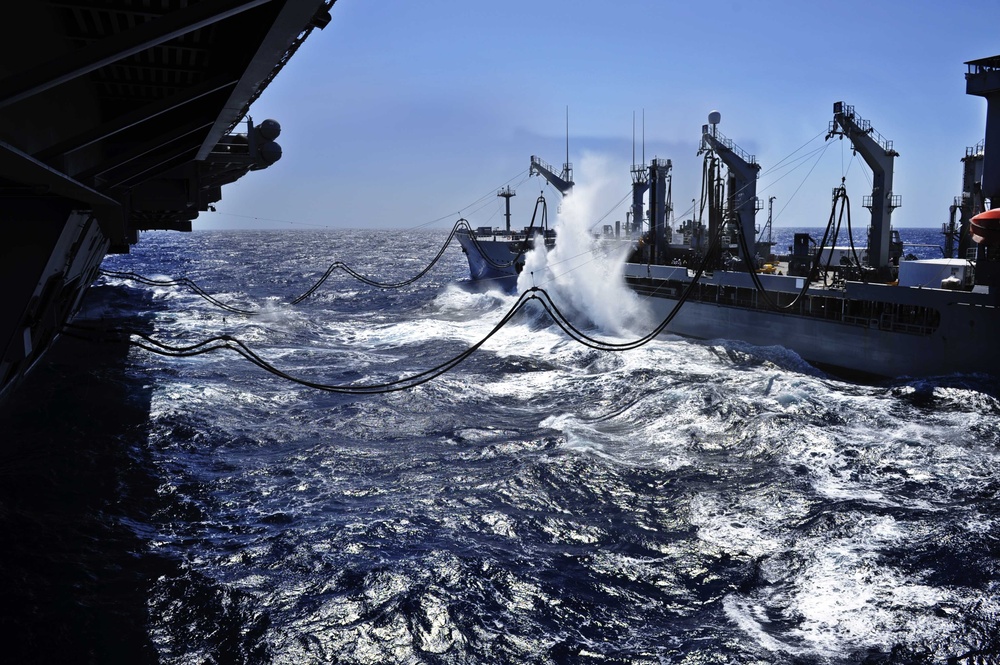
128, 108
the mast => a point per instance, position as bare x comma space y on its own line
743, 170
506, 193
659, 205
972, 202
878, 153
640, 178
567, 167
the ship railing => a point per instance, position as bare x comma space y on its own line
895, 201
539, 165
732, 147
984, 65
861, 321
538, 161
977, 150
865, 126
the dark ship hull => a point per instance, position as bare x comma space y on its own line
118, 118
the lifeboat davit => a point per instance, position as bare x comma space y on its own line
985, 227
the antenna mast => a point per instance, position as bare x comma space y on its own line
506, 193
567, 134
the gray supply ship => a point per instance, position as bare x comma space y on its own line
868, 312
117, 117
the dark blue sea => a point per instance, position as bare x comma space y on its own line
685, 502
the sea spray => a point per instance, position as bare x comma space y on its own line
583, 274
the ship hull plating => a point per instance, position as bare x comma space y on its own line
47, 270
493, 261
869, 330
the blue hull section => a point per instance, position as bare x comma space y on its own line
492, 260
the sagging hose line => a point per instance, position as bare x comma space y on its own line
752, 269
183, 281
229, 342
186, 282
462, 223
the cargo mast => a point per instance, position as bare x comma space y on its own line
878, 153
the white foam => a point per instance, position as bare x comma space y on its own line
577, 273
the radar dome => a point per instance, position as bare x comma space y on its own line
714, 118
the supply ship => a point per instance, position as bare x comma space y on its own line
118, 117
865, 312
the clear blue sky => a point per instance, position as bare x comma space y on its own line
401, 112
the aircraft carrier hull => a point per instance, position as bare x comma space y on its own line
47, 276
119, 117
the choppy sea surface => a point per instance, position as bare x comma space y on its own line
685, 502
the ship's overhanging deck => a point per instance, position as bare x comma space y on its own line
119, 105
117, 116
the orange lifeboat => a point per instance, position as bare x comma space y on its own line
985, 227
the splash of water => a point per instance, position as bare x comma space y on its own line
582, 274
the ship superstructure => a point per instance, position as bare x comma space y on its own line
856, 310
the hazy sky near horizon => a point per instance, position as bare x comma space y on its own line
405, 114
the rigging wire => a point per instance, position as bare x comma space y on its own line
523, 175
821, 151
789, 156
611, 210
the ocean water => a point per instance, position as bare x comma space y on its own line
685, 502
